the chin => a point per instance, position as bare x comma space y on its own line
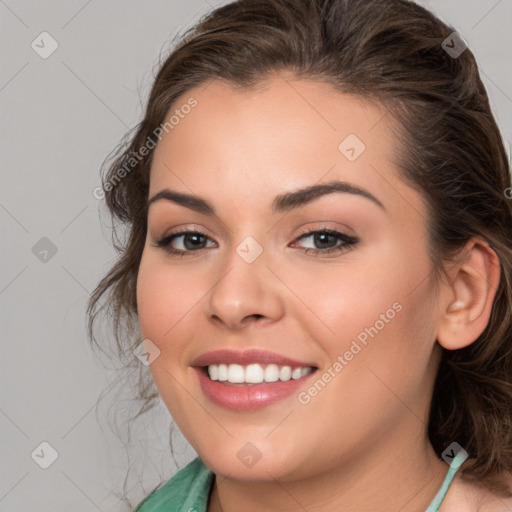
247, 462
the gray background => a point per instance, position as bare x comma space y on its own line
60, 117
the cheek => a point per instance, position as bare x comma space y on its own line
376, 315
151, 300
165, 302
343, 298
164, 298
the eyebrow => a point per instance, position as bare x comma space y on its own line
282, 203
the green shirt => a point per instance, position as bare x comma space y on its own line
189, 489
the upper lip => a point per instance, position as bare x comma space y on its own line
245, 357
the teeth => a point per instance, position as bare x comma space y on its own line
255, 373
223, 372
305, 371
213, 371
297, 373
285, 373
272, 373
236, 374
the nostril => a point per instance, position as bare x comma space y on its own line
256, 316
250, 318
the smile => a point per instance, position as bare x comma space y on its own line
255, 373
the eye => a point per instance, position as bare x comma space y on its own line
183, 242
186, 242
328, 241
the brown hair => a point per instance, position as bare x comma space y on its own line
449, 149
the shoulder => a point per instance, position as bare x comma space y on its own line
189, 486
470, 496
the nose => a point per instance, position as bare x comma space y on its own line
244, 293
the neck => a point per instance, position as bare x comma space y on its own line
396, 476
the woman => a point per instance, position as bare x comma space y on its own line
319, 258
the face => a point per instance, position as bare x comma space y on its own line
260, 277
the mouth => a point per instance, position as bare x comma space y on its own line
255, 373
251, 379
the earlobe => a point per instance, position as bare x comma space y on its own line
470, 296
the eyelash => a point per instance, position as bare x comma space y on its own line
348, 242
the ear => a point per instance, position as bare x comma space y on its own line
467, 303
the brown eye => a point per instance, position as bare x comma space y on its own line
183, 242
328, 241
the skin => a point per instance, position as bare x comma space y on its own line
361, 443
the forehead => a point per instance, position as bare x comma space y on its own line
283, 134
278, 112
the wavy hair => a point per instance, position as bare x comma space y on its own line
449, 148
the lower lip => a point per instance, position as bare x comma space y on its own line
248, 397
